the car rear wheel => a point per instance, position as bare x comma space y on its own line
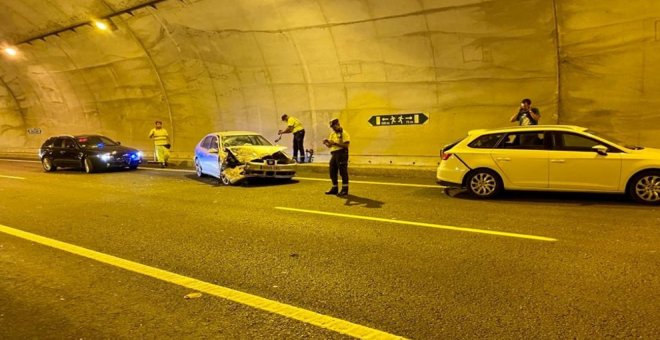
89, 165
198, 168
645, 187
47, 163
484, 183
134, 166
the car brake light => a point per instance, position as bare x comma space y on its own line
445, 156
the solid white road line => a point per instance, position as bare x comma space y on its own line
254, 301
167, 170
296, 178
375, 183
421, 224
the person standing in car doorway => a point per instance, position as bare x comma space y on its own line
161, 143
295, 127
527, 115
338, 142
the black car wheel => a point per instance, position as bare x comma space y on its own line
645, 187
484, 183
134, 165
47, 163
89, 165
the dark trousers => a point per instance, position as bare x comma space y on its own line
298, 146
339, 163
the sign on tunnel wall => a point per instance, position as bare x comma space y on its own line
398, 119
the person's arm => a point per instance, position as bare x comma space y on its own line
151, 133
288, 130
341, 145
535, 114
514, 118
346, 139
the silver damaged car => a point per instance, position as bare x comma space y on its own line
233, 156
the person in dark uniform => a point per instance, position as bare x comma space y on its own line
295, 127
338, 142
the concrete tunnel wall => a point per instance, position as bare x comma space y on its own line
207, 65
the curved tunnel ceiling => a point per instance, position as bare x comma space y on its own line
227, 65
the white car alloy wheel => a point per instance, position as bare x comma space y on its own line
89, 166
646, 188
483, 184
198, 168
224, 179
47, 163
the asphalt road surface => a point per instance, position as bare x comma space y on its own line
114, 255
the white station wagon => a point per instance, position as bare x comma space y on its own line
549, 158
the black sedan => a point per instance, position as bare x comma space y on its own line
89, 152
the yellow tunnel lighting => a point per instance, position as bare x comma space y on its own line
101, 25
10, 51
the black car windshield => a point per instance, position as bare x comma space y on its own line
244, 140
614, 140
95, 142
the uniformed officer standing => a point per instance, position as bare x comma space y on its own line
161, 143
338, 142
295, 127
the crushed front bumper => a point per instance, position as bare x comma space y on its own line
254, 169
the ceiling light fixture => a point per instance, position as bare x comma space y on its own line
10, 51
101, 25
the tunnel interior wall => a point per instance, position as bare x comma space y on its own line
210, 65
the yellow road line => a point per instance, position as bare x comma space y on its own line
286, 310
11, 177
19, 160
421, 224
375, 183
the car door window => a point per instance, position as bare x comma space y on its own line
206, 143
528, 140
486, 141
57, 142
573, 142
213, 143
50, 143
68, 143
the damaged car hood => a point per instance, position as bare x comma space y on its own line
247, 153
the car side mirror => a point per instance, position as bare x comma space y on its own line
118, 143
600, 149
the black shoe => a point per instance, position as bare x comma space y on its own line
343, 192
332, 191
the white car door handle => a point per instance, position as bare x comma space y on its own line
503, 159
557, 161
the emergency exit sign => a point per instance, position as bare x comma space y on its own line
399, 119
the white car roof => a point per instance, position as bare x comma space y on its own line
235, 133
530, 127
